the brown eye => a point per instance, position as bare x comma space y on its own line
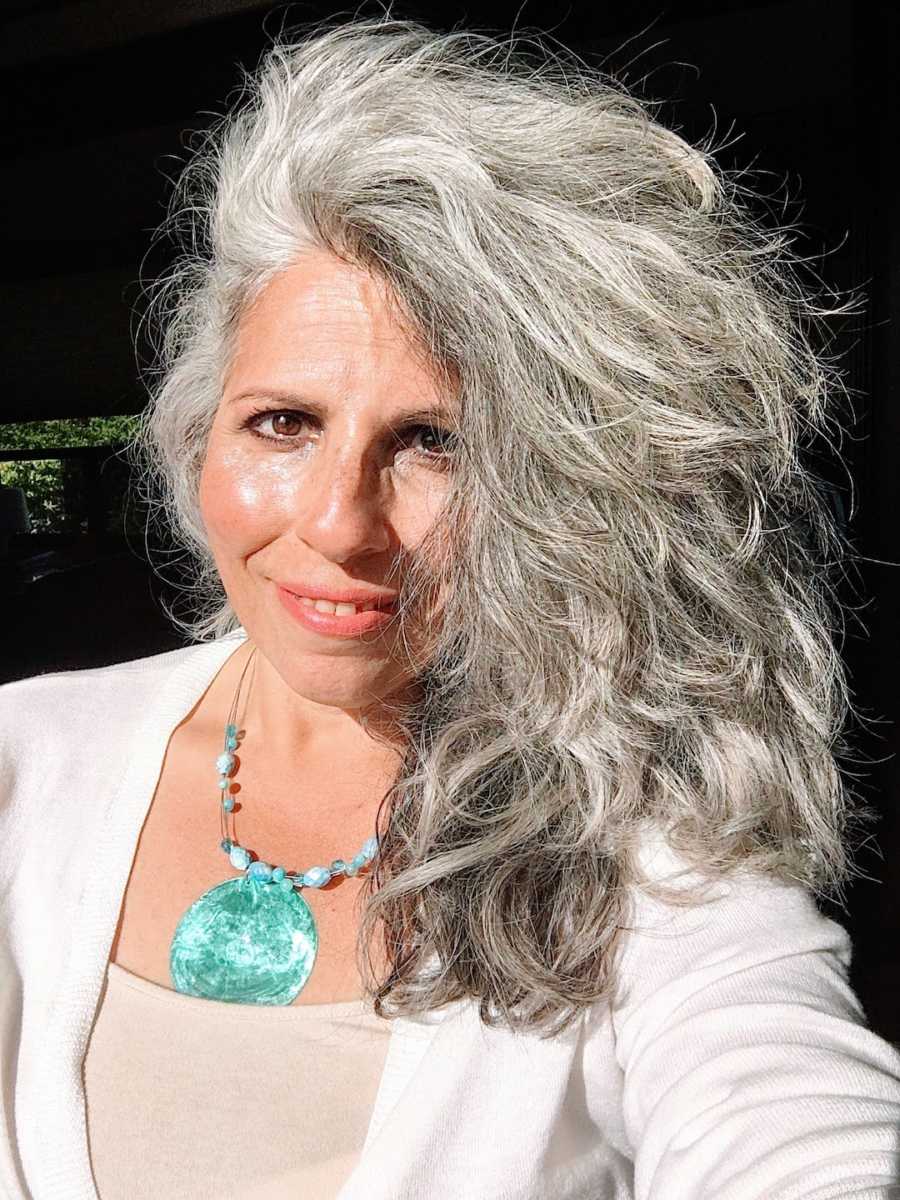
437, 442
285, 424
282, 422
431, 440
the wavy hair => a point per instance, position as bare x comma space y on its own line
635, 621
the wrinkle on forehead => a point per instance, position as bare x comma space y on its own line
337, 305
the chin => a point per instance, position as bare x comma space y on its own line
337, 681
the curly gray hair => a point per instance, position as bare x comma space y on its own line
634, 629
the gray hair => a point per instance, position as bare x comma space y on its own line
634, 628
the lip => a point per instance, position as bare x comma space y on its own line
340, 595
331, 625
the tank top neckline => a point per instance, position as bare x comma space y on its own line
270, 1012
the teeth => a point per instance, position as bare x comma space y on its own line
338, 610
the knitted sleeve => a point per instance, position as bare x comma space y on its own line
749, 1070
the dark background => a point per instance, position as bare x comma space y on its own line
98, 97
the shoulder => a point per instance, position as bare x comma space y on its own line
735, 1009
60, 702
747, 926
68, 738
83, 676
94, 710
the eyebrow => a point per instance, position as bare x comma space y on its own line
276, 396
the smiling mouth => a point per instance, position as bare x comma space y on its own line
342, 608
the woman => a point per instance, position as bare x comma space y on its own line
478, 410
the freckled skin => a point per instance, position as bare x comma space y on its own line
333, 501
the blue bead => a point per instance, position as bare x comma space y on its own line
358, 860
225, 763
231, 743
278, 874
338, 866
228, 803
370, 848
225, 844
239, 858
224, 783
316, 876
230, 730
352, 869
259, 870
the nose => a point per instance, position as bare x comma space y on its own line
340, 510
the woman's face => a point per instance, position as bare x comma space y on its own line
325, 462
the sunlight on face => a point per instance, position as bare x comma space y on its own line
327, 458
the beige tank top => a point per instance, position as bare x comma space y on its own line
196, 1099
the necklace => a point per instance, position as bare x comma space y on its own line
253, 939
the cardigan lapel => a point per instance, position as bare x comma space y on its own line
65, 1173
408, 1051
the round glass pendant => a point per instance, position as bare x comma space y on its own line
246, 942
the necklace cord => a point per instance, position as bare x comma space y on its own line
316, 876
252, 939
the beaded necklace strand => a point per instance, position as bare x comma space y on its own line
252, 939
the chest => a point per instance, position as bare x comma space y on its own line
322, 812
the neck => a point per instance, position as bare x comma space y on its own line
295, 724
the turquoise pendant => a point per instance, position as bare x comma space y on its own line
245, 942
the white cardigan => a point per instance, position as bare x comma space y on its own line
736, 1063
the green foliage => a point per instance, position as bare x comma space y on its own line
56, 490
71, 431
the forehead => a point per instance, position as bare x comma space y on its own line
322, 318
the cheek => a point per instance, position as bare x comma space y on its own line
419, 508
237, 503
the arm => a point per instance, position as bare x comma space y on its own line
749, 1072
